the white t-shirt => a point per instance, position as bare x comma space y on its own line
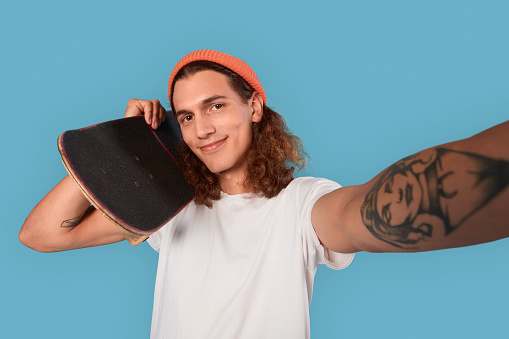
242, 269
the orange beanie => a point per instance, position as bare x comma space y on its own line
223, 59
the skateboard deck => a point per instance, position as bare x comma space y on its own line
129, 171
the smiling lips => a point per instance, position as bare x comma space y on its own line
212, 146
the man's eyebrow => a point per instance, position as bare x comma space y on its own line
203, 103
212, 98
182, 111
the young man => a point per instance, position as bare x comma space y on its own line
239, 261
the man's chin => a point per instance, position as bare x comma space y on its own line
215, 169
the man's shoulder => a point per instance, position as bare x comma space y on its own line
307, 189
310, 183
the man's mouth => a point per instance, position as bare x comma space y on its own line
213, 145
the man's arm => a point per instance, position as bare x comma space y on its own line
64, 220
448, 196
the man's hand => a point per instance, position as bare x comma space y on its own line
152, 110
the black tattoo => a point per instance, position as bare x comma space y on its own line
437, 188
72, 222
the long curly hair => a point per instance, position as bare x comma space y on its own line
272, 157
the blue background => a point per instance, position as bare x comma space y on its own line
363, 83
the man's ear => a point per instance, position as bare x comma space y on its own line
256, 103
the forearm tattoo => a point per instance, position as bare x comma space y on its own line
433, 190
72, 222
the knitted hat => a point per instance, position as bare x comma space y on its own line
235, 64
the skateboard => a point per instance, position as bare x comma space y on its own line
129, 171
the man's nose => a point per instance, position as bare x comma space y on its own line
204, 127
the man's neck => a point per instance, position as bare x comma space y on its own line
234, 182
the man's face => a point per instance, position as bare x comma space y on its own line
215, 122
399, 199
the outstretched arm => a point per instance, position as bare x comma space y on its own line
452, 195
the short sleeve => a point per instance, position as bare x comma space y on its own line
154, 240
315, 253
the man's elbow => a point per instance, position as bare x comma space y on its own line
31, 240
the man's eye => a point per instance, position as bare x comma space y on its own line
186, 118
217, 106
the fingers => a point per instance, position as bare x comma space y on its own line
134, 108
152, 110
154, 113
